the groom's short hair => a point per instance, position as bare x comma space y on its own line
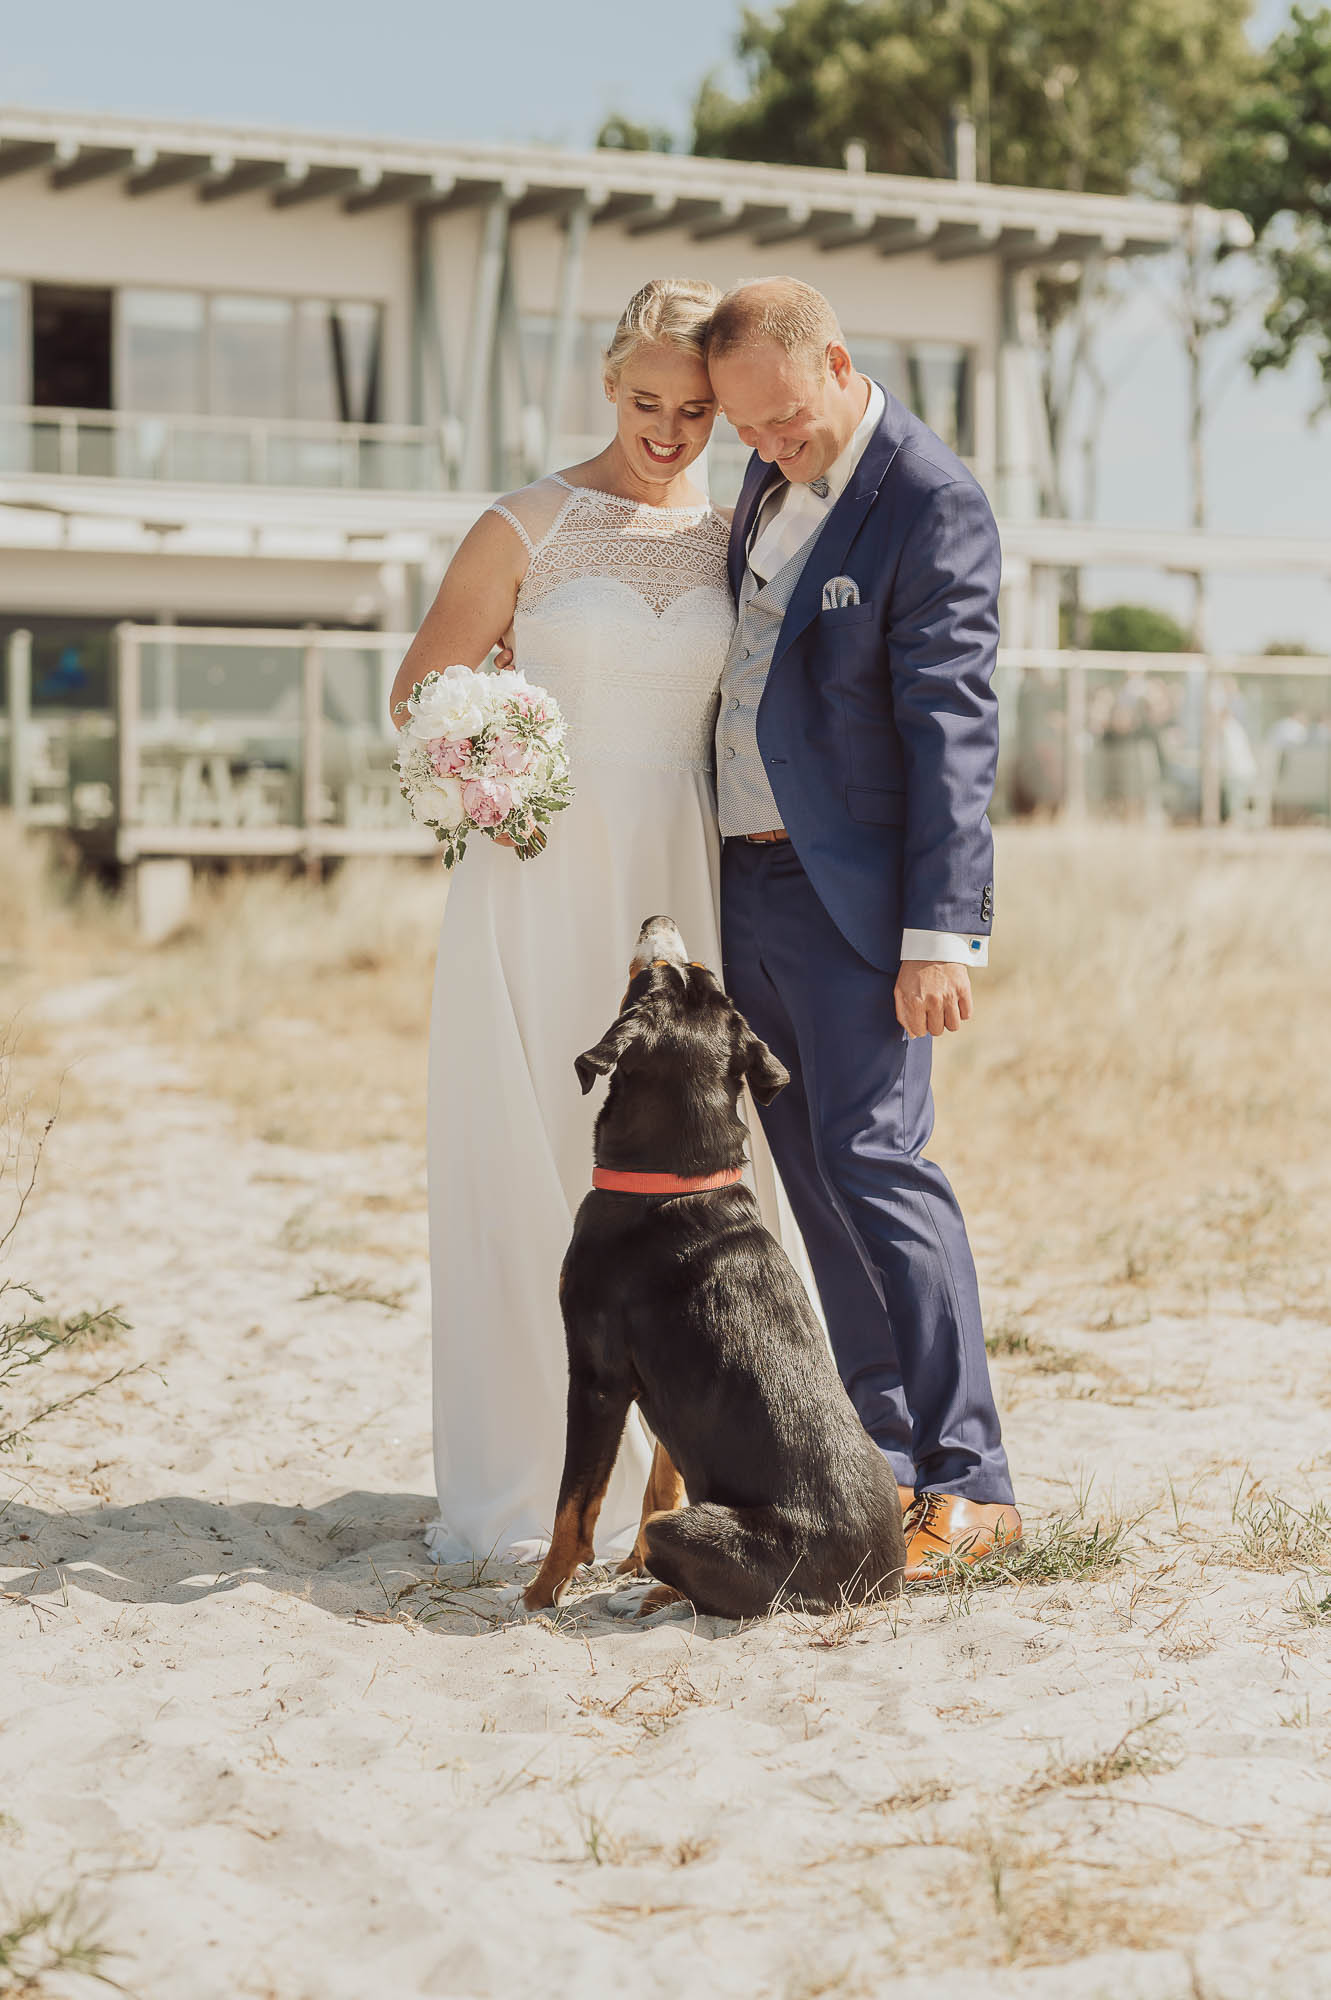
783, 310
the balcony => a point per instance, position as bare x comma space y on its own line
228, 451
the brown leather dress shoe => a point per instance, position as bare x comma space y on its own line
943, 1529
906, 1495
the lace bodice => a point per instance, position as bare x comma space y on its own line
625, 614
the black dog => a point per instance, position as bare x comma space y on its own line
676, 1295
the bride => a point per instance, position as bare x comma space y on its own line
608, 582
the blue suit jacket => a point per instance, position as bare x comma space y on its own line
878, 727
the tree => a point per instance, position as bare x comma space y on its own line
1136, 628
1064, 93
1121, 98
1276, 168
621, 135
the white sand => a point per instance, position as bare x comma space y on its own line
278, 1777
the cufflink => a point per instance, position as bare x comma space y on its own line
975, 944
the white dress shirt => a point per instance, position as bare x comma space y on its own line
791, 514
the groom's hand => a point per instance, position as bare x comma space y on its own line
932, 995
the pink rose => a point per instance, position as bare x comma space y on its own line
527, 702
510, 754
450, 759
489, 801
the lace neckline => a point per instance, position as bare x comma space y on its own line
622, 500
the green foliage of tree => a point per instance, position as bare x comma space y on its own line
621, 135
1073, 94
1136, 628
1094, 96
1276, 167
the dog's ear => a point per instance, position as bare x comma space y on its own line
618, 1038
765, 1076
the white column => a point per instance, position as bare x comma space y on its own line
311, 740
477, 472
18, 655
561, 347
168, 689
127, 707
1024, 459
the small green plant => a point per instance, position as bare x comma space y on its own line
1009, 1341
1273, 1534
29, 1337
599, 1845
1061, 1551
1309, 1608
1135, 1755
41, 1940
358, 1291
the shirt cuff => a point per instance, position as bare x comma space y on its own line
950, 946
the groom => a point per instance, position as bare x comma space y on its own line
856, 747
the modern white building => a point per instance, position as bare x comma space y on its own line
265, 379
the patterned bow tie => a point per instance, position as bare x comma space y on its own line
820, 487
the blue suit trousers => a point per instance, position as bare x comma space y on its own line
881, 1224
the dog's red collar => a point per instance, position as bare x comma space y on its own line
606, 1177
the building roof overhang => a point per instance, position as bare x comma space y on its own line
53, 511
638, 192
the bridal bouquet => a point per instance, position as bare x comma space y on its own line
483, 752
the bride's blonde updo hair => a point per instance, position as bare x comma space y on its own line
673, 311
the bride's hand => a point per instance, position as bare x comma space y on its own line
504, 659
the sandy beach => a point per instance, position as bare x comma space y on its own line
255, 1746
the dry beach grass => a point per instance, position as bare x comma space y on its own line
252, 1745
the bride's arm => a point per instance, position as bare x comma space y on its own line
472, 611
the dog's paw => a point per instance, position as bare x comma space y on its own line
646, 1604
625, 1603
511, 1597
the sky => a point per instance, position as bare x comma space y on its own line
549, 71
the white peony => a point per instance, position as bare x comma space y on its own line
454, 704
441, 802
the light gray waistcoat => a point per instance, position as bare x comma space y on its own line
744, 801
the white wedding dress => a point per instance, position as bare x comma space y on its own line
625, 615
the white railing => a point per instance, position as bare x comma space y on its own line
206, 450
220, 743
235, 742
1182, 738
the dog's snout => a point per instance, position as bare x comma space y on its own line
659, 941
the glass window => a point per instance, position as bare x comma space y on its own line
588, 385
252, 359
338, 347
162, 351
13, 385
884, 361
536, 336
354, 328
316, 376
940, 391
931, 377
584, 413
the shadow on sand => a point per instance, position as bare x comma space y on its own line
357, 1556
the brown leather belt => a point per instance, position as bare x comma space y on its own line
765, 839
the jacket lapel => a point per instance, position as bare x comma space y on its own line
758, 477
829, 552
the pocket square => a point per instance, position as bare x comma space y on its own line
839, 591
